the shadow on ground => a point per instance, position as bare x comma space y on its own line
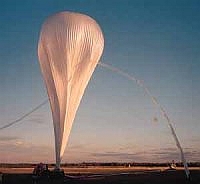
166, 177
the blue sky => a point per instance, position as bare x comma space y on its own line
155, 41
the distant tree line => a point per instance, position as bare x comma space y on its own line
100, 164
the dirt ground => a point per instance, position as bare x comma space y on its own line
107, 176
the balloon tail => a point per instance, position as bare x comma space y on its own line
155, 102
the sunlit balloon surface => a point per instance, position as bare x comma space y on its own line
69, 49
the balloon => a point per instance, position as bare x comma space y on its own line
69, 48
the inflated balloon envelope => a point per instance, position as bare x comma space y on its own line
70, 46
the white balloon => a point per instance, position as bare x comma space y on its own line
69, 49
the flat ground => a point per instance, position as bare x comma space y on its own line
107, 175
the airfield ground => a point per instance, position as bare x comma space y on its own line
107, 175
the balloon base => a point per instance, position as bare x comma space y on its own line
57, 174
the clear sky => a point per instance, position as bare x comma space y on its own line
156, 41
